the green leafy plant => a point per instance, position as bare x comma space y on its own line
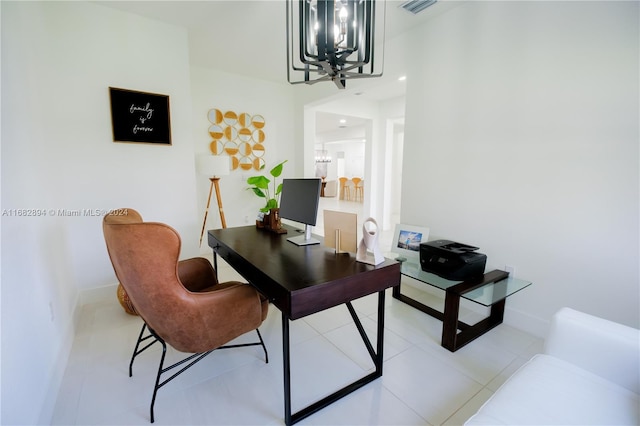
260, 187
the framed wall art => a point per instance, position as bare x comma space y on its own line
140, 117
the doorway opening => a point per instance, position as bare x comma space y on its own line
348, 147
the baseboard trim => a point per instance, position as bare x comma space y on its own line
59, 368
92, 295
526, 322
97, 294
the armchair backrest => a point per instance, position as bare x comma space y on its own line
145, 256
123, 216
176, 299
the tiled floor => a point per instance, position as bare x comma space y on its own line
422, 382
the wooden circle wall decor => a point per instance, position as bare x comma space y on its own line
241, 136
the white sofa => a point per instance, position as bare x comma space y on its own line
589, 373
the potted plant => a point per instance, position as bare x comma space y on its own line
260, 185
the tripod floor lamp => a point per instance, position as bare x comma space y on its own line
213, 166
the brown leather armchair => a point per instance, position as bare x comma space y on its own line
181, 302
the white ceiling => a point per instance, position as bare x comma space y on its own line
248, 37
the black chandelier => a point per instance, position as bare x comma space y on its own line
333, 40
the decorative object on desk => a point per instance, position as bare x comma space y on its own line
335, 41
260, 220
271, 213
406, 242
214, 167
240, 136
368, 249
272, 222
140, 117
340, 231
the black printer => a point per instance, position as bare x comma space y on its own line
451, 260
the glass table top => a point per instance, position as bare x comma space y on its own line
414, 270
486, 295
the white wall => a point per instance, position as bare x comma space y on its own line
213, 89
525, 115
353, 158
58, 61
522, 138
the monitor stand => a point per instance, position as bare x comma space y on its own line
304, 240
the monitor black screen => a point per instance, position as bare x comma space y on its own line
299, 202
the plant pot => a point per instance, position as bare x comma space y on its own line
272, 222
273, 219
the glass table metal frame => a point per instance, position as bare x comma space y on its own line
490, 290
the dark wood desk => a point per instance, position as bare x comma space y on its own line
302, 280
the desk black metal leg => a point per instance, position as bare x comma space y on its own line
380, 338
286, 370
215, 263
395, 291
289, 418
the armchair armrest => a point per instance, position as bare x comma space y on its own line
196, 274
603, 347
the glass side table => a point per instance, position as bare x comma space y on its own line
490, 290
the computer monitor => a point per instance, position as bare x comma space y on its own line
299, 202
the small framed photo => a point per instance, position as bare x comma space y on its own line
406, 241
140, 117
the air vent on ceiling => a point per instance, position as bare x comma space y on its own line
417, 6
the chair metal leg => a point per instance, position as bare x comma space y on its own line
266, 355
193, 358
161, 371
158, 385
141, 339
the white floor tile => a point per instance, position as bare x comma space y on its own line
318, 369
422, 382
431, 387
469, 409
329, 319
412, 325
478, 360
372, 405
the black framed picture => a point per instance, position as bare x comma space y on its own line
140, 117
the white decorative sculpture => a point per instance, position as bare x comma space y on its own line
368, 249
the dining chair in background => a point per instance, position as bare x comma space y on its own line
345, 191
358, 191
